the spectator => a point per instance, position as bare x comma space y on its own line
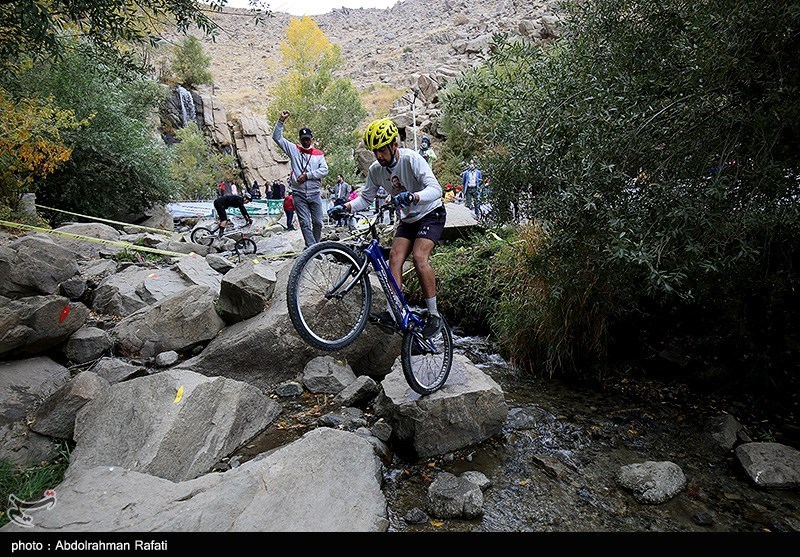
255, 191
341, 194
278, 190
471, 179
288, 208
427, 151
380, 201
308, 169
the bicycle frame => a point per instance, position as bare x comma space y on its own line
403, 315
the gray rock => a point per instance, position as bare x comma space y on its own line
56, 416
161, 424
652, 482
116, 294
478, 478
361, 390
87, 344
196, 270
245, 290
219, 263
326, 481
470, 408
36, 323
724, 431
325, 374
450, 496
770, 465
166, 359
381, 430
73, 288
89, 250
23, 384
115, 370
528, 417
415, 516
289, 389
34, 265
177, 322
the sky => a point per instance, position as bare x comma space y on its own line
315, 7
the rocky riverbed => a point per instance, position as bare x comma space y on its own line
554, 467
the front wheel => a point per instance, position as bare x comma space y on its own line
427, 361
202, 236
328, 307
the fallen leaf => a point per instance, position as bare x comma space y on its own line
436, 523
179, 395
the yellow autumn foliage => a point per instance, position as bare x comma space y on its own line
31, 143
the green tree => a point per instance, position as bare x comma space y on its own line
40, 27
31, 144
656, 149
190, 64
196, 166
331, 107
118, 165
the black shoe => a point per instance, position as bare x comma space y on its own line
432, 326
384, 320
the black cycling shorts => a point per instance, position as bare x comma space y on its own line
430, 226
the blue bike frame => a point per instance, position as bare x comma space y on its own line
402, 314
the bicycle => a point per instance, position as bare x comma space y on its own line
206, 236
329, 295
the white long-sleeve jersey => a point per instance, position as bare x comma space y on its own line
410, 173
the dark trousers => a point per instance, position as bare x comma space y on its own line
289, 218
340, 221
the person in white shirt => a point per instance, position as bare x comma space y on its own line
308, 169
415, 189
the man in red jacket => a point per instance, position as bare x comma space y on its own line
288, 208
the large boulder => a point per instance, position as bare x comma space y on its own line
770, 465
87, 248
23, 383
116, 294
652, 482
469, 409
265, 350
326, 481
246, 290
174, 424
34, 265
56, 415
178, 322
36, 323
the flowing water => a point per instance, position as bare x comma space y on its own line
553, 468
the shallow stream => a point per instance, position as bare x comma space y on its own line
553, 468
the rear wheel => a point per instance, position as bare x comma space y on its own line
202, 236
427, 361
245, 246
327, 306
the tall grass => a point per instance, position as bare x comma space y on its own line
29, 484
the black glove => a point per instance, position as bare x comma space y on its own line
404, 199
337, 211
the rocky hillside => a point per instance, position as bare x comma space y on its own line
380, 46
416, 45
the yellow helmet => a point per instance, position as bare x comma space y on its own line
380, 133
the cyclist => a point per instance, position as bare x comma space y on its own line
228, 201
418, 194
